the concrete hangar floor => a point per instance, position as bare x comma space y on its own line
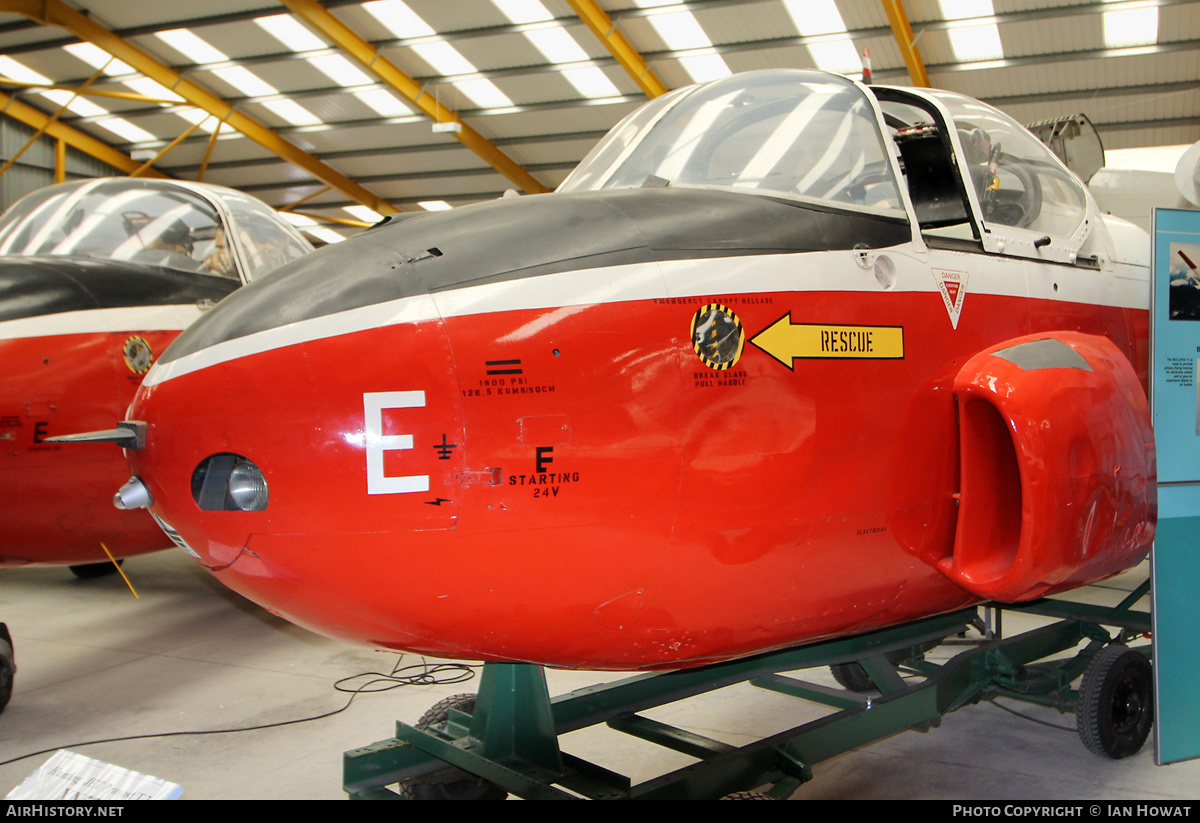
96, 664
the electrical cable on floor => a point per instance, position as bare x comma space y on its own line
426, 675
437, 674
1071, 729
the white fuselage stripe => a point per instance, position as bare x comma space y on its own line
752, 274
94, 321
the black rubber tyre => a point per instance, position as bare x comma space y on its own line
8, 666
93, 571
1116, 702
472, 788
852, 676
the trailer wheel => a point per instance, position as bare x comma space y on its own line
470, 788
94, 571
852, 676
1116, 702
8, 666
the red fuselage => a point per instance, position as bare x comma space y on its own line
58, 501
783, 358
76, 337
551, 468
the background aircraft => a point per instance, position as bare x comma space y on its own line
97, 277
784, 358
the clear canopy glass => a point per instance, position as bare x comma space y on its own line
783, 133
152, 223
1018, 180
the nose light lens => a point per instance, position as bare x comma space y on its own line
248, 487
132, 495
229, 482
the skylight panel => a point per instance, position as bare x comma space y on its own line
444, 58
965, 9
383, 102
524, 11
838, 56
398, 18
151, 88
704, 67
21, 73
976, 41
1131, 27
680, 31
328, 236
78, 105
558, 46
290, 32
340, 70
206, 122
126, 130
292, 112
814, 18
484, 93
97, 57
591, 82
364, 213
191, 46
246, 82
251, 85
434, 205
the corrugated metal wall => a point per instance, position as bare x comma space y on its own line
35, 168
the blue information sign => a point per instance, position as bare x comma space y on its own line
1175, 405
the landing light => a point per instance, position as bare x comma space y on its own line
248, 487
229, 482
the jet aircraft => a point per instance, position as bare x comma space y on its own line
785, 357
97, 277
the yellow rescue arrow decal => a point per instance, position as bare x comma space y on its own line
787, 341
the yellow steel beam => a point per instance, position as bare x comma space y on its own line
56, 13
369, 57
337, 221
60, 161
627, 56
86, 92
72, 137
51, 121
304, 199
903, 32
149, 163
212, 144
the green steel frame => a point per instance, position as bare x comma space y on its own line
511, 738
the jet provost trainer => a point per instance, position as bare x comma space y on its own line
939, 344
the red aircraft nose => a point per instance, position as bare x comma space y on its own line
254, 463
311, 433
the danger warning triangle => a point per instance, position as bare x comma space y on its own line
952, 285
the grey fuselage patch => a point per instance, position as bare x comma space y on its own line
1044, 354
